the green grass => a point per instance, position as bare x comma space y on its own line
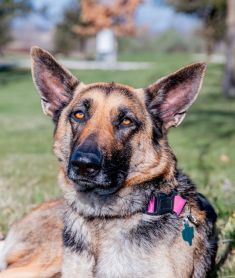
204, 143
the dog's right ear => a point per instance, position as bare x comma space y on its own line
54, 83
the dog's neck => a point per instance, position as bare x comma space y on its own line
124, 203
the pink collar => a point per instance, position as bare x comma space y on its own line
162, 203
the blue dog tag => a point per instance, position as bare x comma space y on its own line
187, 232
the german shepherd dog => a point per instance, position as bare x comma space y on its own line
127, 211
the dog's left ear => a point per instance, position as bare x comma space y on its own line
171, 96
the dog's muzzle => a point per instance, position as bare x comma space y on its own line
92, 172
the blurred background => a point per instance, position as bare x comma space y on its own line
128, 41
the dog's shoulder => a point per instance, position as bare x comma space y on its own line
204, 205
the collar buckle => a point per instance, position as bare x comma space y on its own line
162, 203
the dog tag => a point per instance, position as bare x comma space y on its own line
187, 232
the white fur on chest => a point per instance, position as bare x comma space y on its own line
121, 256
125, 260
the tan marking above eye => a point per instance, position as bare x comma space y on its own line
79, 115
126, 122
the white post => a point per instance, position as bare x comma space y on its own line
106, 46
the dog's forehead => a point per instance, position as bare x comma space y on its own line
107, 87
110, 90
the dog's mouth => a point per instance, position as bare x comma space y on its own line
90, 186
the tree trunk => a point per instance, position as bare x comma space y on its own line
229, 75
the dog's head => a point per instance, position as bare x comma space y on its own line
110, 135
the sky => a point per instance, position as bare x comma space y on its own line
155, 15
159, 17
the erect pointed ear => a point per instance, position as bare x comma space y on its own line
54, 83
171, 96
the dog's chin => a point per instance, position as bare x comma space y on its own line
91, 187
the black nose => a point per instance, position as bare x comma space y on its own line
87, 164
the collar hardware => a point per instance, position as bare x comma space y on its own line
161, 203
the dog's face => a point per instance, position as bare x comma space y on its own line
109, 135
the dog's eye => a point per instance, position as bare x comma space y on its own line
78, 115
126, 122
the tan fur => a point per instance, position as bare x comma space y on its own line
33, 247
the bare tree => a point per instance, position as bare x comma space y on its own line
229, 77
107, 20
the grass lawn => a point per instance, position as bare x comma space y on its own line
204, 143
